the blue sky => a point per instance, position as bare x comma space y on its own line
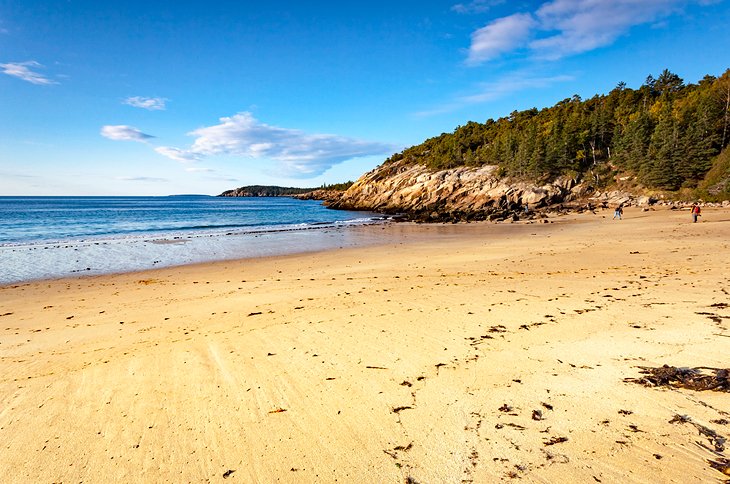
158, 97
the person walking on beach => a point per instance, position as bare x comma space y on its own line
618, 212
695, 212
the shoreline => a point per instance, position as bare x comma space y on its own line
133, 253
426, 357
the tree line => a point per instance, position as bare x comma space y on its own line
666, 133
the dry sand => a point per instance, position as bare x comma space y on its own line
422, 360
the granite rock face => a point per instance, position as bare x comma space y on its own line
327, 195
463, 192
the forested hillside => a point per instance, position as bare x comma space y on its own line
276, 191
665, 133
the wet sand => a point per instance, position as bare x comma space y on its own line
470, 353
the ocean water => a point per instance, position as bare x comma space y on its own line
52, 237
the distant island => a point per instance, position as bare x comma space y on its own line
277, 191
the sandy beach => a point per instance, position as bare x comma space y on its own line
461, 353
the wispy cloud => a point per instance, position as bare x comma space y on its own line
124, 133
297, 153
149, 103
502, 35
199, 169
17, 175
142, 179
584, 25
560, 28
476, 6
490, 91
177, 154
24, 71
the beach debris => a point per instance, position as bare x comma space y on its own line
716, 318
689, 378
254, 314
716, 440
554, 458
537, 415
278, 410
410, 480
401, 408
376, 367
406, 383
720, 421
228, 473
680, 419
721, 464
505, 408
625, 412
394, 452
556, 440
546, 405
498, 329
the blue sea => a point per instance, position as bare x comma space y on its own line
52, 237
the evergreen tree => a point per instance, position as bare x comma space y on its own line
666, 133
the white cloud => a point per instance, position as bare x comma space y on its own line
476, 6
495, 90
124, 133
177, 154
584, 25
142, 179
149, 103
490, 91
560, 28
502, 35
197, 169
22, 70
298, 154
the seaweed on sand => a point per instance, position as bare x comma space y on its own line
715, 379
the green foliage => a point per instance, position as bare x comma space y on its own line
716, 185
666, 133
276, 191
338, 186
267, 191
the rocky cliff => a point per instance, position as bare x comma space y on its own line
329, 196
463, 193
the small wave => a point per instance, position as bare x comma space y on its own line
180, 233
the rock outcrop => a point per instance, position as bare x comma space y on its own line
463, 193
327, 195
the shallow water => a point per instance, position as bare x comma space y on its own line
51, 237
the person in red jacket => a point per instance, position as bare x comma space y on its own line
695, 212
